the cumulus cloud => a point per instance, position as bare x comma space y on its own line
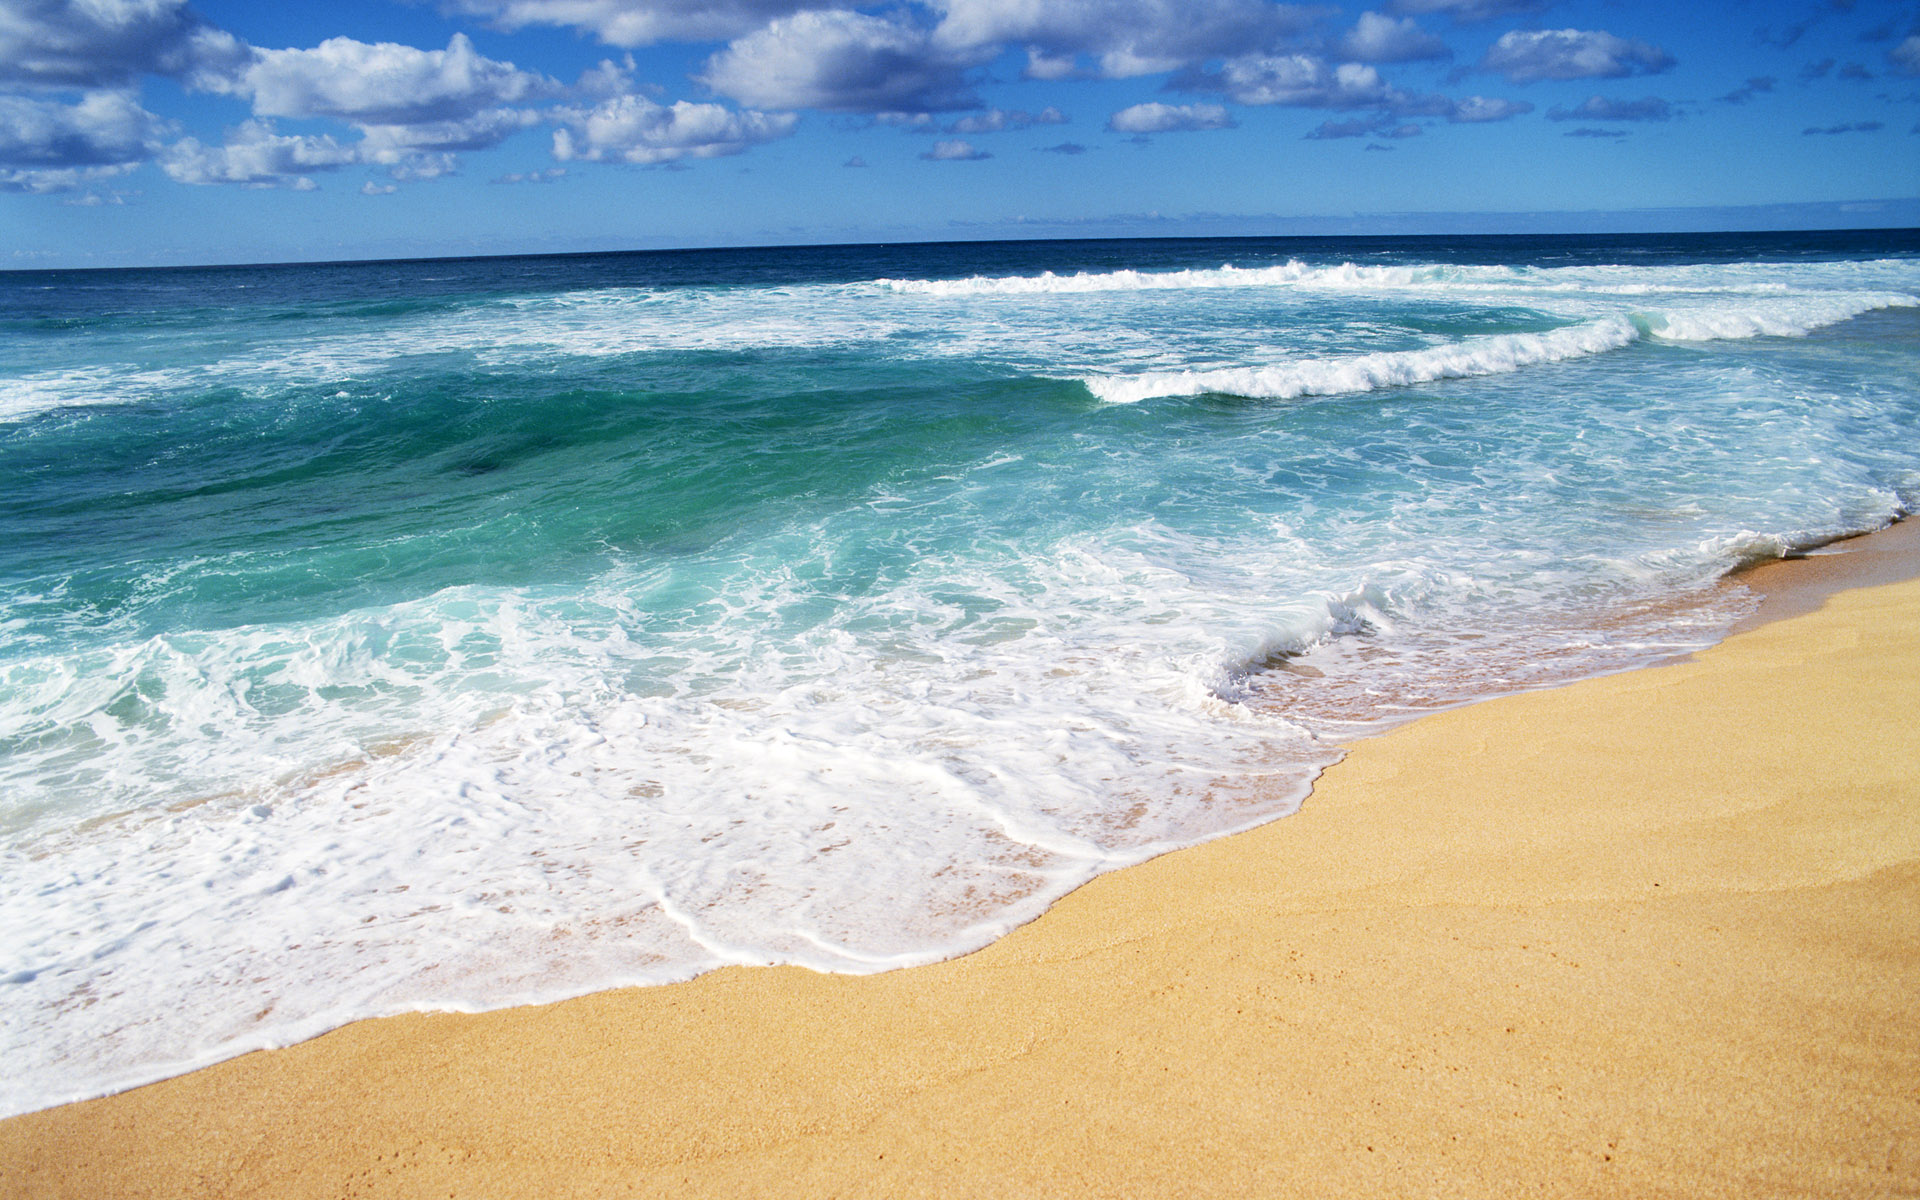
381, 83
1525, 56
1478, 110
955, 151
1849, 127
1068, 148
999, 120
1468, 11
1381, 39
103, 129
842, 61
370, 188
256, 156
634, 129
1599, 108
1124, 37
1154, 117
107, 43
639, 22
1307, 81
52, 146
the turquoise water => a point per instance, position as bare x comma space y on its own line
457, 634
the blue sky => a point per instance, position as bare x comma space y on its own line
154, 131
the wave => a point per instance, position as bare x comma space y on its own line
1368, 372
1496, 355
1294, 273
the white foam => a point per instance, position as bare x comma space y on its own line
1366, 372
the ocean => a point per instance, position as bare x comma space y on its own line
463, 633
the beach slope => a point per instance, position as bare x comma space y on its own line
1656, 934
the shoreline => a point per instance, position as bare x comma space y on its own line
1334, 952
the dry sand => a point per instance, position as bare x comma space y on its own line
1650, 935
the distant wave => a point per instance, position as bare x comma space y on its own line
1292, 273
1496, 355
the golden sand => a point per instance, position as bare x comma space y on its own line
1651, 935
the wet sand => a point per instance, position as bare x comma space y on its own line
1656, 934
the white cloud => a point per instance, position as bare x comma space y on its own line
999, 120
45, 181
1477, 110
955, 151
1377, 38
1526, 56
103, 129
370, 188
1299, 80
381, 83
1466, 11
1126, 37
639, 22
48, 146
1154, 117
1599, 108
256, 156
549, 175
1906, 56
634, 129
106, 43
392, 143
843, 61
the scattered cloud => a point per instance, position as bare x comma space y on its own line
1154, 117
843, 61
1376, 126
1064, 148
1299, 81
1377, 146
547, 175
998, 120
1849, 127
254, 155
635, 129
1466, 12
51, 146
1599, 108
381, 83
1751, 88
1906, 56
96, 44
1124, 38
955, 151
1478, 110
1381, 39
1587, 132
1855, 72
633, 23
370, 188
855, 161
1527, 56
1817, 70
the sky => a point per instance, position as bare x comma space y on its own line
146, 132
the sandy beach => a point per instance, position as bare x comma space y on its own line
1655, 934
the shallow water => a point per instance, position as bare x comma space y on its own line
458, 634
